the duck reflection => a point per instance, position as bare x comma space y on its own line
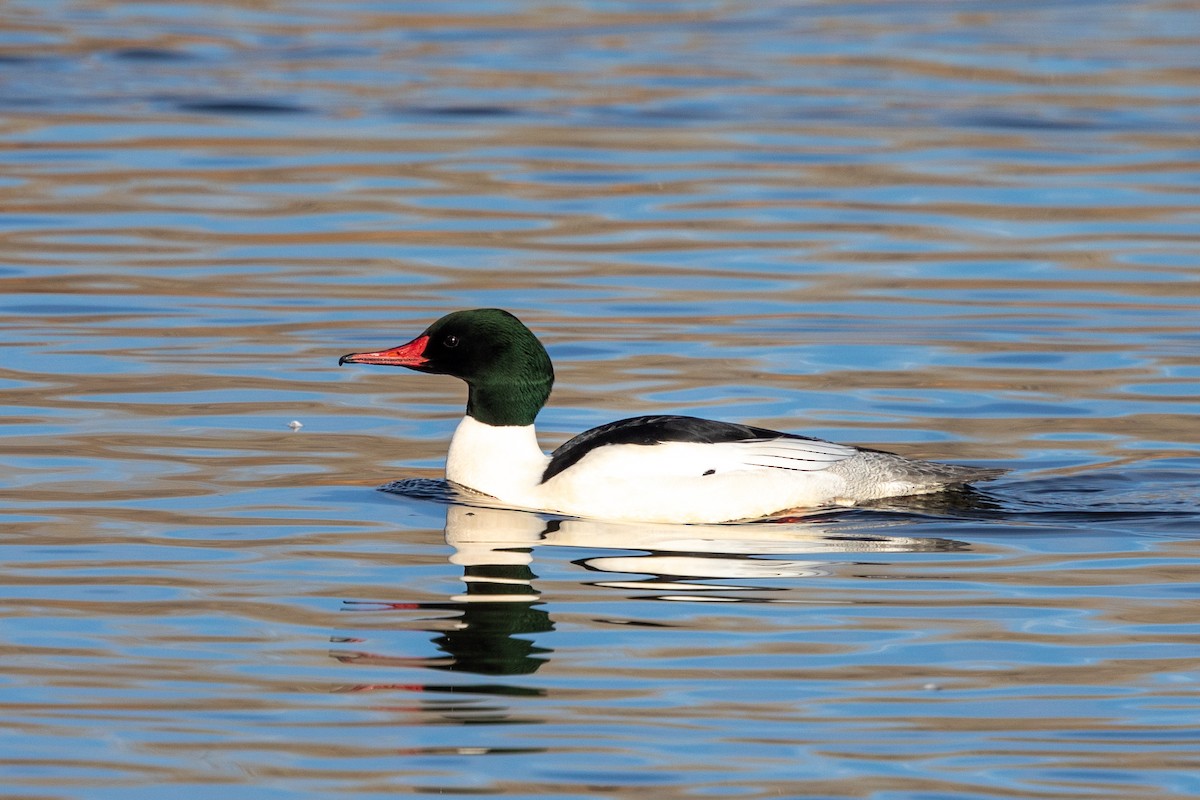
495, 622
729, 559
500, 603
500, 606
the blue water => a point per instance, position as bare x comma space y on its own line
961, 232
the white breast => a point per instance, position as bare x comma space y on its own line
504, 461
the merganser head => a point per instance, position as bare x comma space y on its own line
507, 370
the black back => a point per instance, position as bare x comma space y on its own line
656, 430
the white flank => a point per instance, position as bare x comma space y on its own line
669, 482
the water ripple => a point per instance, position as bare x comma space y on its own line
966, 234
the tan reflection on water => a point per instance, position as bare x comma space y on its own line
176, 286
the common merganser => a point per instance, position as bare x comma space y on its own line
662, 468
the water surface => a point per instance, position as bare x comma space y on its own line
953, 231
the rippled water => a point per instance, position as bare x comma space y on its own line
957, 231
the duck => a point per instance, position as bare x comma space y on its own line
661, 468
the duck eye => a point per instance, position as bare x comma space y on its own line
450, 341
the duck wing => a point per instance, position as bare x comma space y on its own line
745, 445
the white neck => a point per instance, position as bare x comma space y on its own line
504, 461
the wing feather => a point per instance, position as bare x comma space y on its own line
733, 446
